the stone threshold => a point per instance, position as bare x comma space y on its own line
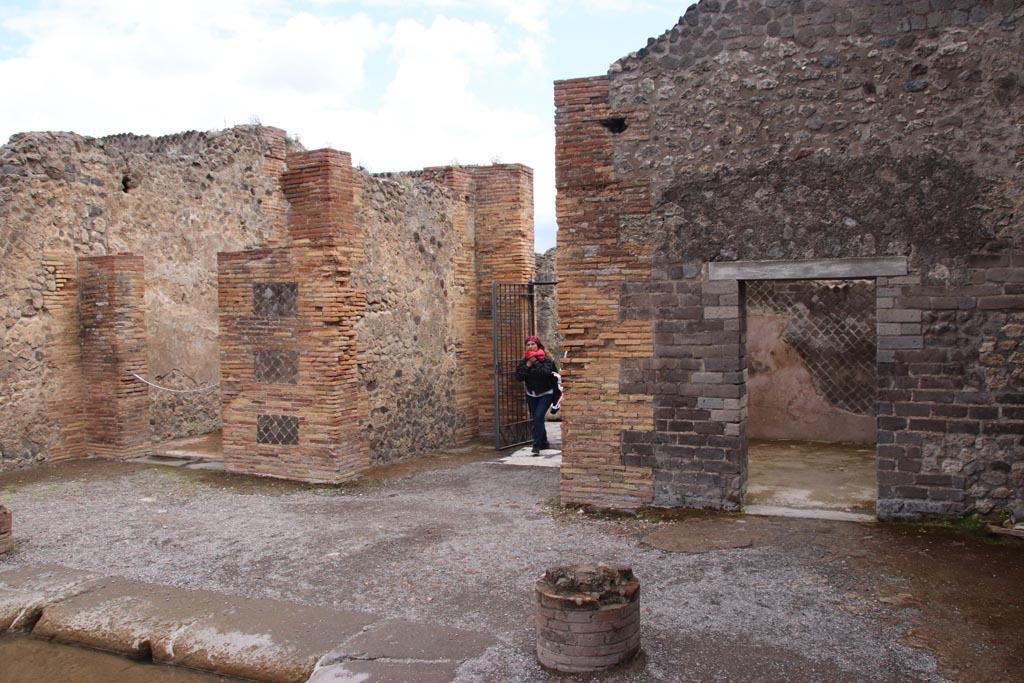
807, 513
259, 640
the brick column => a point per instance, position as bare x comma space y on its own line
504, 254
64, 356
500, 198
607, 344
294, 406
113, 319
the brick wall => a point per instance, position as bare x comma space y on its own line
783, 132
951, 364
113, 348
63, 359
504, 253
360, 339
180, 199
606, 353
501, 201
294, 405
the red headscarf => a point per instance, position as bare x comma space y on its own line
536, 340
539, 353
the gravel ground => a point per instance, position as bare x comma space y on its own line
463, 546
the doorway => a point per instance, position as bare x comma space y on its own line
812, 396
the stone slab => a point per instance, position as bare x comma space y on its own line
24, 593
398, 639
550, 457
263, 640
700, 536
165, 460
260, 640
805, 513
816, 269
127, 617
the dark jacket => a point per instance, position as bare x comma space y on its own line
539, 378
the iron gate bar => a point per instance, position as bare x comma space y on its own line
512, 310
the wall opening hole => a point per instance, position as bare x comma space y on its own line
615, 124
126, 183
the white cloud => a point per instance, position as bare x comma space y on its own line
399, 96
124, 69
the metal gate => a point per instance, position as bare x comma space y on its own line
512, 307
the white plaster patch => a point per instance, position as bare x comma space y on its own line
337, 674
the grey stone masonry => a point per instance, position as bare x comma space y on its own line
772, 139
698, 379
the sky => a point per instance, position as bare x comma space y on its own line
401, 84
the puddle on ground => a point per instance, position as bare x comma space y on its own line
24, 659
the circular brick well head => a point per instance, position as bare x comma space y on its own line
5, 530
588, 617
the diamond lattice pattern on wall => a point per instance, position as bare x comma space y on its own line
277, 430
832, 328
276, 367
275, 299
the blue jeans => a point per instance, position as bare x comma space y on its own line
538, 409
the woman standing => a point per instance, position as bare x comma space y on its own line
537, 371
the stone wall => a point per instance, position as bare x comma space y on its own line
419, 344
547, 303
175, 202
787, 131
416, 257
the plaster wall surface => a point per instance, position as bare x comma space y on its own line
784, 402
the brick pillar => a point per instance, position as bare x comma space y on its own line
318, 186
113, 318
294, 406
63, 355
611, 407
504, 254
500, 228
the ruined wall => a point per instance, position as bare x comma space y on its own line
379, 322
174, 201
435, 241
419, 335
547, 303
809, 130
294, 403
418, 352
